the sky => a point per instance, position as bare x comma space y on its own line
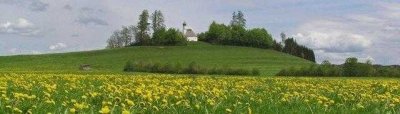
335, 29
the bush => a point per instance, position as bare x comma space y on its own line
129, 66
156, 67
214, 70
192, 68
167, 69
178, 69
255, 72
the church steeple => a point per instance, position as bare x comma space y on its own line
184, 27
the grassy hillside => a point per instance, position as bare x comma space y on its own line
113, 60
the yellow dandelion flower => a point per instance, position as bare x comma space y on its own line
126, 112
105, 110
228, 110
72, 110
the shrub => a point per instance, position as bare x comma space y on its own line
213, 70
168, 69
156, 67
129, 66
192, 68
255, 72
231, 71
178, 69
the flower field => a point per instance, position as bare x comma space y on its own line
162, 93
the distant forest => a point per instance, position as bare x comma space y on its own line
351, 68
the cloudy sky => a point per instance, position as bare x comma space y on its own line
337, 29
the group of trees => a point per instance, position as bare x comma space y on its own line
144, 33
351, 68
236, 34
155, 33
293, 48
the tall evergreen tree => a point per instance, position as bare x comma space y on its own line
157, 20
238, 19
143, 29
291, 47
241, 20
133, 31
283, 37
234, 20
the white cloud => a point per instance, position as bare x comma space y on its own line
90, 16
330, 36
21, 26
57, 46
33, 5
365, 36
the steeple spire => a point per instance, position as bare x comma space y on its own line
184, 25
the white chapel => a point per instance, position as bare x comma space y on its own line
189, 33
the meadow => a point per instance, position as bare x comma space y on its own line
111, 61
163, 93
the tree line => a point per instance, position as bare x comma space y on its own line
290, 46
236, 34
351, 68
145, 33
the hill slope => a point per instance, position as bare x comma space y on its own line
113, 60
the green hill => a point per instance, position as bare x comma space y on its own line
112, 60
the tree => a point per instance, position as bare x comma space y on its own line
133, 31
350, 67
237, 28
241, 19
157, 20
168, 37
218, 33
291, 47
277, 46
366, 69
174, 37
123, 37
143, 37
126, 36
158, 36
234, 20
115, 40
238, 19
283, 38
258, 37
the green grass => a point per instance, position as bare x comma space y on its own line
112, 60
